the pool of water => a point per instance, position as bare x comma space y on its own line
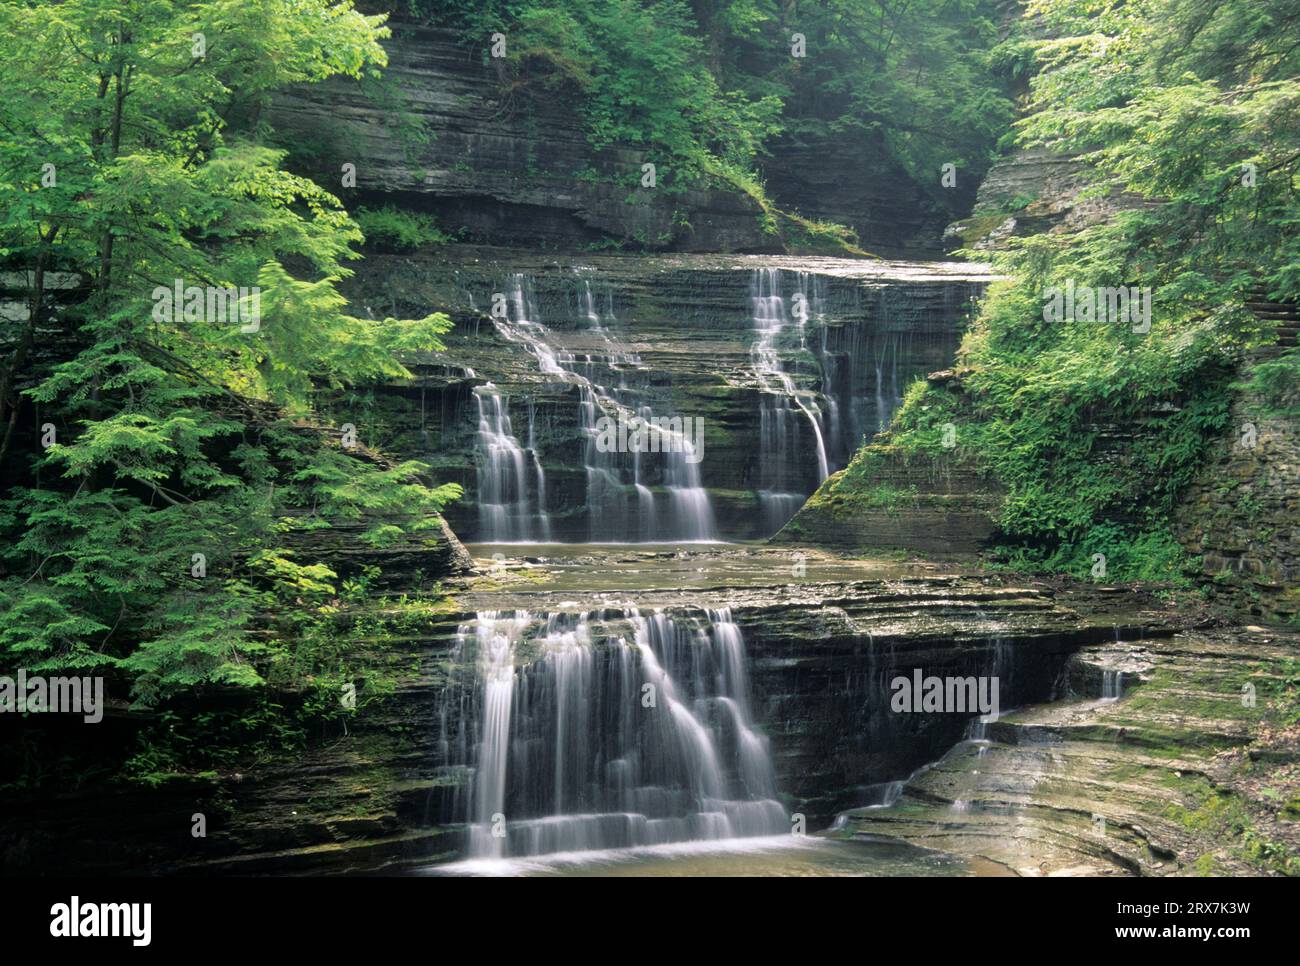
778, 855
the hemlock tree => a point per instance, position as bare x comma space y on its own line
150, 536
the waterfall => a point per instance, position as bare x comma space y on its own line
783, 485
495, 639
509, 509
863, 376
587, 303
631, 497
1001, 666
825, 380
1112, 685
606, 730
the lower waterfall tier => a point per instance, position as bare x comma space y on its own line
620, 697
634, 732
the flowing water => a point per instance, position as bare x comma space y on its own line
1112, 685
511, 481
624, 730
760, 856
786, 411
630, 496
825, 378
617, 738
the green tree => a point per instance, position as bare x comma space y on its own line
711, 84
132, 162
1187, 114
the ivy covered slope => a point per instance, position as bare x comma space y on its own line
166, 486
1089, 430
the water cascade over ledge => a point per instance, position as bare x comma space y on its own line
631, 496
784, 408
752, 378
510, 507
602, 731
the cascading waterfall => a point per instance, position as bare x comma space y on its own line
632, 496
1112, 685
510, 509
807, 429
1112, 680
580, 738
888, 393
782, 485
861, 383
1001, 668
587, 304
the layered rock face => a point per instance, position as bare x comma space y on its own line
919, 503
781, 366
824, 639
826, 676
858, 185
1151, 763
1032, 191
821, 640
506, 169
817, 642
1241, 514
514, 168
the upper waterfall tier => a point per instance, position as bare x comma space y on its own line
666, 398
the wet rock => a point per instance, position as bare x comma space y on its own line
1087, 786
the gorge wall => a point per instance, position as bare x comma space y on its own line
1240, 516
817, 641
443, 133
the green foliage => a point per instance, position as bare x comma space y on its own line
643, 73
182, 433
703, 88
805, 236
917, 78
1093, 428
392, 229
1202, 806
1276, 384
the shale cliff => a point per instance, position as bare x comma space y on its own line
1241, 518
442, 133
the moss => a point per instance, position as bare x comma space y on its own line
1222, 816
1209, 866
978, 227
804, 236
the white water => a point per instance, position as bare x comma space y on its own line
1112, 685
511, 481
631, 497
782, 485
593, 744
555, 861
804, 434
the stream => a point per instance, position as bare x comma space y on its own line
759, 856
